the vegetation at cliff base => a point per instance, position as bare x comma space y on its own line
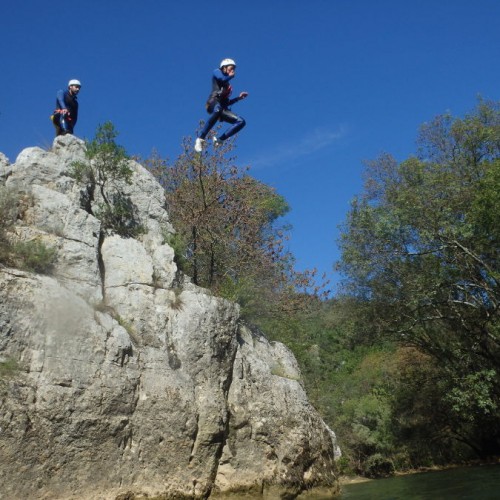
407, 363
420, 251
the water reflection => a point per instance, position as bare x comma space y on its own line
468, 483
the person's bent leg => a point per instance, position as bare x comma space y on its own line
237, 121
55, 121
65, 125
212, 120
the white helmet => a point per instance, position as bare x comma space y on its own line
227, 62
74, 82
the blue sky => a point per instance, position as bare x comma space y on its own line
332, 83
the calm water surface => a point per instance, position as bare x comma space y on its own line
468, 483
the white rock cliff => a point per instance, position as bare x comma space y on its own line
129, 380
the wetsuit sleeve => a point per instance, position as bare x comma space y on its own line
60, 100
219, 75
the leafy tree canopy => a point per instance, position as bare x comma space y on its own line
421, 247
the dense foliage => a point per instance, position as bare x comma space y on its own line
421, 255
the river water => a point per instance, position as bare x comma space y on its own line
468, 483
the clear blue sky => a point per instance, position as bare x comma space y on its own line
332, 83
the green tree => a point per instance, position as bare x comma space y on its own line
421, 247
107, 170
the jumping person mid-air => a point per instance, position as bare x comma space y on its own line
218, 105
65, 115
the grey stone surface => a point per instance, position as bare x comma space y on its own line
119, 377
5, 169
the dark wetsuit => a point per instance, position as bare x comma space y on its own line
218, 105
65, 123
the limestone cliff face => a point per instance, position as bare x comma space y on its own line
127, 380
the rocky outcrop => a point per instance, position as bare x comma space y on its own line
120, 379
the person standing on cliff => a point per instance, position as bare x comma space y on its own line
218, 105
65, 115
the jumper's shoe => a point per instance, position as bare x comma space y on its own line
198, 144
217, 142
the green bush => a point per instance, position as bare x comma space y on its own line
344, 467
34, 256
377, 466
8, 215
8, 209
8, 368
29, 255
177, 243
120, 216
